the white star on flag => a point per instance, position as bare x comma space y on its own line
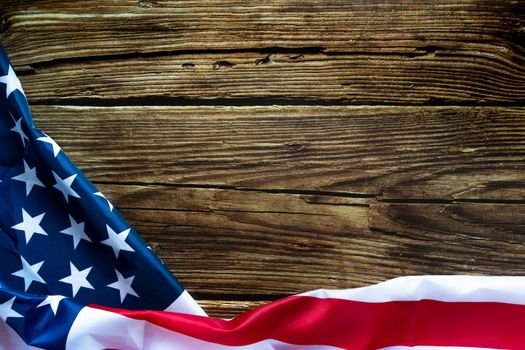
123, 285
101, 195
29, 273
30, 225
117, 241
64, 186
29, 177
52, 301
77, 279
6, 310
12, 82
76, 230
18, 129
56, 147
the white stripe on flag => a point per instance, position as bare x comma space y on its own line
100, 329
509, 290
431, 348
185, 304
9, 339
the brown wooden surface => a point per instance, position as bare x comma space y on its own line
394, 152
265, 150
451, 77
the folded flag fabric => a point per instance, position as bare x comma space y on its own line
75, 275
420, 313
61, 238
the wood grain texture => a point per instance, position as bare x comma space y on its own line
232, 243
228, 308
412, 52
441, 77
55, 29
427, 153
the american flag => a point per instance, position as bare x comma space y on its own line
75, 275
60, 238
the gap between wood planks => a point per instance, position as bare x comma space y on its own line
374, 197
153, 101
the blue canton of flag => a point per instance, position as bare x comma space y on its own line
62, 244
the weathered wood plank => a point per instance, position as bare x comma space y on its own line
57, 29
446, 153
441, 77
470, 234
227, 308
358, 51
232, 242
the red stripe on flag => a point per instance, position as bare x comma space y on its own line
357, 325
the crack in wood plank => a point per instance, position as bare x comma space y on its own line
412, 154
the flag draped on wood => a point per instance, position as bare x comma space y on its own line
61, 238
75, 275
421, 312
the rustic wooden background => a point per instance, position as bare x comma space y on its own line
269, 148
